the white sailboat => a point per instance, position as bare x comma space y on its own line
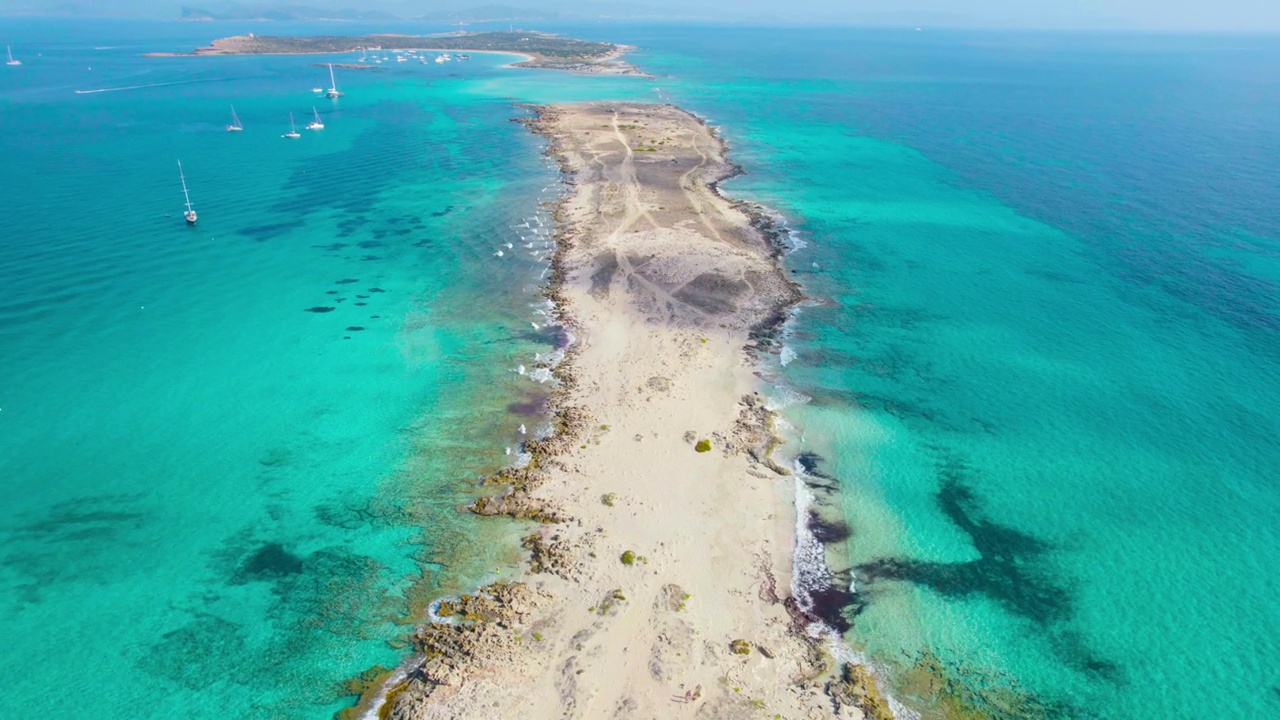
333, 85
235, 125
190, 214
11, 62
315, 124
293, 133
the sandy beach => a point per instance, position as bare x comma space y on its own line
660, 569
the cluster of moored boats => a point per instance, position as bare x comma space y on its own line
293, 134
236, 126
316, 123
380, 56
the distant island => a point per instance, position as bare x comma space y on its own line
282, 14
545, 51
293, 12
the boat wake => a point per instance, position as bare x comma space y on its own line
152, 85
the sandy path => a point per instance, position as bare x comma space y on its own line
663, 281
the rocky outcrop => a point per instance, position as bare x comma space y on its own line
552, 555
483, 625
856, 688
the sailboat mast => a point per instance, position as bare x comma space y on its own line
333, 84
183, 178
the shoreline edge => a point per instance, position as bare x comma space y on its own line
672, 291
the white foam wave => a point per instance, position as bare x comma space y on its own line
809, 560
375, 708
900, 711
784, 427
790, 237
792, 240
553, 358
810, 573
786, 356
784, 397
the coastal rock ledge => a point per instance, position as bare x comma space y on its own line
658, 577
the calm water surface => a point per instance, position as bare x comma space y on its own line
1041, 377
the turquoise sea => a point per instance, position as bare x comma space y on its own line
1041, 365
233, 454
1034, 397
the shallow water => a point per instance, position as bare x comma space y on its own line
234, 453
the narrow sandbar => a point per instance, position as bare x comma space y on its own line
660, 567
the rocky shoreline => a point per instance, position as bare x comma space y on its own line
672, 290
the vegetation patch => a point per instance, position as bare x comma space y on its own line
703, 446
672, 598
857, 688
610, 603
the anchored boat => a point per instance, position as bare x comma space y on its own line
235, 125
333, 85
190, 214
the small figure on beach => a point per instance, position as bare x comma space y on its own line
689, 695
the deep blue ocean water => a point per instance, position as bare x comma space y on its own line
1036, 392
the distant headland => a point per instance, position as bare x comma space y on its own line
550, 52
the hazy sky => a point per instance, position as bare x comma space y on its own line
1250, 15
1162, 14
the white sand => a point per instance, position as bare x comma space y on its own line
663, 280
